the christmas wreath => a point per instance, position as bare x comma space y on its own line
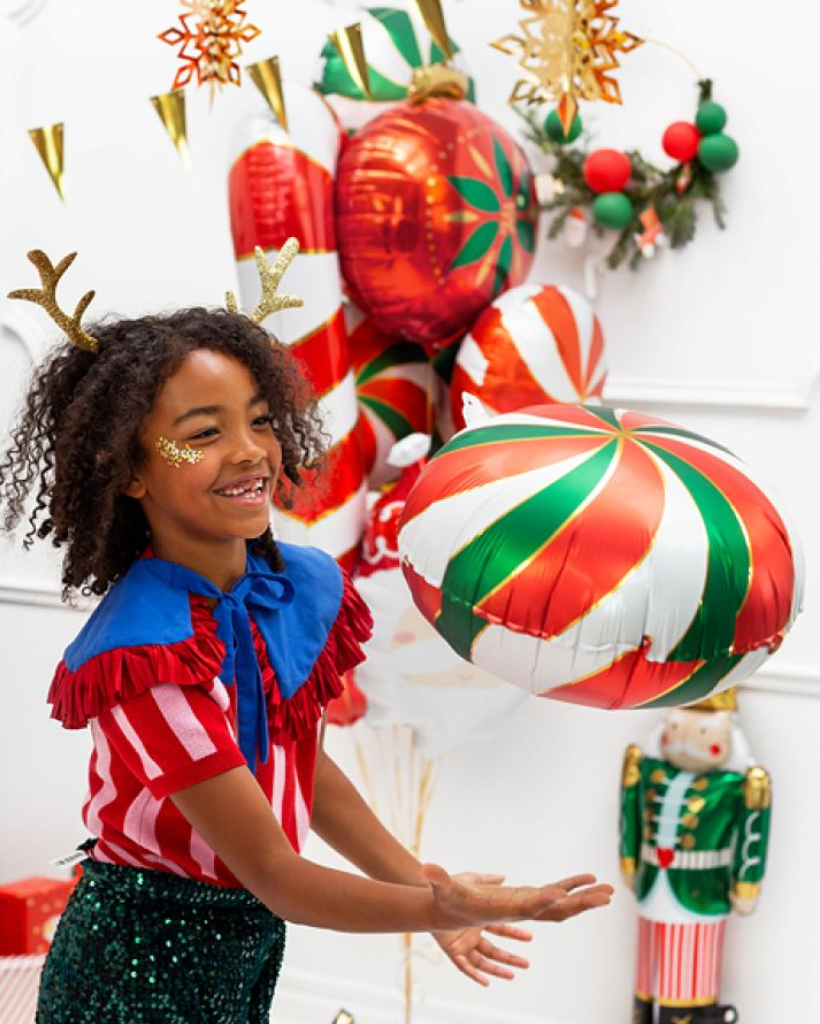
648, 206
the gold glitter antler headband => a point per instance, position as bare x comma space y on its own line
47, 298
270, 278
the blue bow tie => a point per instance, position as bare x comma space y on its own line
263, 590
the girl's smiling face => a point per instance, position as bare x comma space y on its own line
201, 513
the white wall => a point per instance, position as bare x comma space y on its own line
720, 337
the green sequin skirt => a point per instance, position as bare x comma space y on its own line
149, 947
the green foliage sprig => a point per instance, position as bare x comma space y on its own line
669, 192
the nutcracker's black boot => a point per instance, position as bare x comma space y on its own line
678, 1014
713, 1014
642, 1011
717, 1014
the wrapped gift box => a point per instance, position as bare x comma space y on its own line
29, 911
19, 980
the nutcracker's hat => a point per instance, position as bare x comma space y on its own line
726, 700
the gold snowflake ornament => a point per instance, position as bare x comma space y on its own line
210, 40
567, 50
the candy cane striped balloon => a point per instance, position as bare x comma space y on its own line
393, 382
396, 42
600, 556
280, 185
535, 344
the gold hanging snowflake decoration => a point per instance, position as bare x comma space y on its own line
210, 40
567, 51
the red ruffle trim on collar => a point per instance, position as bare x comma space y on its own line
117, 675
292, 719
108, 679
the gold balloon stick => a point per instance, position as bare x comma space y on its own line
348, 41
170, 108
433, 17
267, 78
48, 142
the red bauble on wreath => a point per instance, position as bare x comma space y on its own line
680, 141
607, 170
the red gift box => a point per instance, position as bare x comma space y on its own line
29, 911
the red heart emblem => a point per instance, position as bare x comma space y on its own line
665, 857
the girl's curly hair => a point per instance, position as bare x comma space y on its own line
76, 445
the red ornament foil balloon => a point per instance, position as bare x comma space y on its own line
535, 344
436, 215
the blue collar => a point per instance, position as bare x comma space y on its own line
294, 612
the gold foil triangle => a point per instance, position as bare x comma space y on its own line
48, 141
170, 108
267, 78
348, 41
433, 17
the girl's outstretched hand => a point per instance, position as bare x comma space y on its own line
472, 950
459, 905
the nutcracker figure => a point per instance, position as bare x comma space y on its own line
695, 814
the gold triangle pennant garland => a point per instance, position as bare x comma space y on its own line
348, 42
170, 108
267, 78
48, 141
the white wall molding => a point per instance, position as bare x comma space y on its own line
740, 394
308, 997
17, 321
785, 677
19, 590
23, 11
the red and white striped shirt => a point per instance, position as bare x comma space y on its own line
168, 737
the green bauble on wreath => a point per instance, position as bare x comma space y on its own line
710, 118
718, 152
555, 130
612, 210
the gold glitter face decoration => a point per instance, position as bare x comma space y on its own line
174, 455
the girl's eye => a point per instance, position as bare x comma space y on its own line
263, 421
204, 435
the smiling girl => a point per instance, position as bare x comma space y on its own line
152, 448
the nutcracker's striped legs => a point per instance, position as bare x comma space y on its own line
679, 964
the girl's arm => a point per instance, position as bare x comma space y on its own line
343, 819
232, 815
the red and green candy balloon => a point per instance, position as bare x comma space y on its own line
600, 556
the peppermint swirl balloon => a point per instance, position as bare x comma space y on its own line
536, 343
393, 386
602, 557
396, 43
